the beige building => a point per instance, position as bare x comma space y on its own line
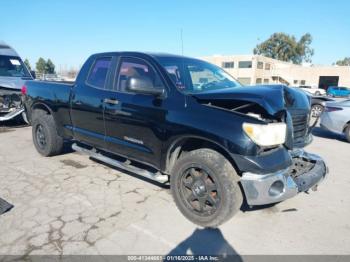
257, 69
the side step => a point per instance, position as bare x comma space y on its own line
122, 165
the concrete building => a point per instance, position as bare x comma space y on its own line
257, 69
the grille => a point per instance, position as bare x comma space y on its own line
300, 127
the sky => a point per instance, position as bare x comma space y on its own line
68, 31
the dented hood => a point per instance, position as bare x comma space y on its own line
273, 98
12, 83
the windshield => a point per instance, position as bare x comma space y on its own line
195, 76
12, 66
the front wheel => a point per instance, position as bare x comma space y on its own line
205, 187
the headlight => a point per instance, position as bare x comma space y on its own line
266, 135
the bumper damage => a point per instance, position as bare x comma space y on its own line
10, 104
306, 172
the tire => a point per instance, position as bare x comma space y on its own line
347, 133
46, 140
205, 188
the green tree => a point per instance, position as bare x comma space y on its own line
343, 62
285, 47
41, 65
26, 62
49, 67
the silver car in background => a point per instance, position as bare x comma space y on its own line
336, 118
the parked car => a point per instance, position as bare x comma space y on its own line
13, 74
314, 90
338, 91
317, 108
336, 118
166, 116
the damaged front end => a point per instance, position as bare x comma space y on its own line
10, 104
264, 179
305, 173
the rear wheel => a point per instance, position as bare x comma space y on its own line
46, 140
347, 133
205, 189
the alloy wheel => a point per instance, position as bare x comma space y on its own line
199, 191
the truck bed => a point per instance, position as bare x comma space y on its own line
55, 97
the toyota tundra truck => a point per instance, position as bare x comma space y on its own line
182, 121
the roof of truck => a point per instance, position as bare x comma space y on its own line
138, 53
5, 49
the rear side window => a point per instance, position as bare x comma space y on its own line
98, 73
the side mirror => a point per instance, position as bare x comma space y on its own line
143, 85
33, 74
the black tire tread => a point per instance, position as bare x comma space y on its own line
54, 141
347, 133
228, 178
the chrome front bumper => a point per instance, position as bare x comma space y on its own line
11, 114
307, 171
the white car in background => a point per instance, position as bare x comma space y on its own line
314, 90
336, 118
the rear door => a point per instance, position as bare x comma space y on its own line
88, 100
135, 124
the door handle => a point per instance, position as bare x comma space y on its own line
111, 101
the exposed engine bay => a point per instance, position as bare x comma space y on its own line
10, 104
248, 108
281, 107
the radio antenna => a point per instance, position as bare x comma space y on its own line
183, 64
182, 42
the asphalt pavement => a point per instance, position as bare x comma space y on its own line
70, 204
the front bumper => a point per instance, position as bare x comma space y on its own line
11, 114
307, 171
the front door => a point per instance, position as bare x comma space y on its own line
135, 125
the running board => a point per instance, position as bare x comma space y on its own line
122, 165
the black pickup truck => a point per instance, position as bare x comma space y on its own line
183, 120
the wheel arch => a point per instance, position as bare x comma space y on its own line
41, 106
189, 143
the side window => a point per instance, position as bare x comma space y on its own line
136, 68
98, 73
